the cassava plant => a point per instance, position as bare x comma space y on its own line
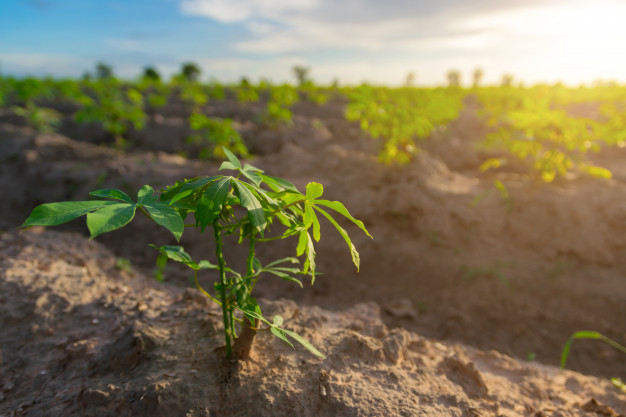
246, 204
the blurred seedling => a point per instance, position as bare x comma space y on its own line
488, 271
124, 265
246, 205
218, 134
42, 119
502, 191
589, 334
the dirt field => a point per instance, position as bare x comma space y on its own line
462, 305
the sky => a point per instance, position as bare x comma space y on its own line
352, 41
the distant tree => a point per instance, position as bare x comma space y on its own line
507, 80
150, 73
409, 79
103, 71
302, 74
244, 82
478, 76
190, 71
454, 78
86, 76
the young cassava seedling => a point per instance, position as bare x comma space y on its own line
216, 203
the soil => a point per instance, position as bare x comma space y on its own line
462, 305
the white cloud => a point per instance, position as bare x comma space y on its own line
404, 26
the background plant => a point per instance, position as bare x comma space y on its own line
398, 117
218, 134
277, 111
115, 107
589, 334
246, 205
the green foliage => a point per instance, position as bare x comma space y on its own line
529, 126
193, 93
219, 134
40, 118
247, 205
115, 107
400, 116
281, 99
246, 93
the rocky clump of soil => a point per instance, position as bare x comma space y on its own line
80, 336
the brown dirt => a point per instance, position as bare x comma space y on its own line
448, 294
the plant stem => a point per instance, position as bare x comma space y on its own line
225, 304
250, 260
243, 344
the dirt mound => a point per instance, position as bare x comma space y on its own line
82, 337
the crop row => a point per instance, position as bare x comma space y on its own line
538, 126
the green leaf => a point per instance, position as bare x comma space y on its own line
278, 184
145, 195
167, 217
283, 275
175, 253
212, 201
311, 219
277, 320
356, 259
228, 165
304, 343
587, 334
598, 172
279, 333
232, 158
188, 188
290, 259
314, 190
252, 173
341, 209
252, 204
302, 241
492, 163
110, 218
112, 193
310, 257
53, 214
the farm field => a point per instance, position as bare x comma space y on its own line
498, 217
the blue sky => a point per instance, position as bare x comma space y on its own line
353, 40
